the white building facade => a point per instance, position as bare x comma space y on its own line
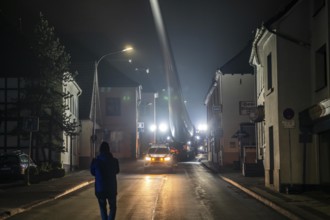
289, 55
70, 156
228, 103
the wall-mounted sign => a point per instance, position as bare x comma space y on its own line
140, 124
245, 107
217, 108
288, 123
288, 113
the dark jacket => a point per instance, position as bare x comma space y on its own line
105, 168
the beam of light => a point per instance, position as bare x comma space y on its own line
179, 122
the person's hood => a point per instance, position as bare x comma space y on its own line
104, 156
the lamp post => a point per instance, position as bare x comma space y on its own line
95, 92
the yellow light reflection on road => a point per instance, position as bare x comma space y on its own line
147, 179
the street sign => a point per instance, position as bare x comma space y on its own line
288, 113
288, 123
31, 124
217, 108
140, 124
246, 107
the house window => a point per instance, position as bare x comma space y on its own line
317, 6
271, 155
12, 83
320, 68
269, 72
10, 94
2, 96
2, 83
112, 107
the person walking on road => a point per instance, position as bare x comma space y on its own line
105, 167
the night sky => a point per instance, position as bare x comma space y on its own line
204, 35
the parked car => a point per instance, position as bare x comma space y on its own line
159, 156
14, 165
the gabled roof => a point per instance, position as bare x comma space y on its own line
239, 64
271, 26
281, 13
111, 77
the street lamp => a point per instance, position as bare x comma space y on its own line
95, 92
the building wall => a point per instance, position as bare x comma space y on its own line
11, 142
268, 49
290, 76
320, 30
320, 128
293, 64
147, 118
213, 122
259, 114
85, 144
10, 92
225, 115
70, 157
234, 89
119, 120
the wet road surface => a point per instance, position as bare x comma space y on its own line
191, 192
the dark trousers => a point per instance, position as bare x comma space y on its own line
111, 200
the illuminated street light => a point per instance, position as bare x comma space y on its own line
163, 127
111, 53
95, 91
202, 127
152, 128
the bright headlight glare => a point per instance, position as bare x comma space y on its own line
167, 158
147, 158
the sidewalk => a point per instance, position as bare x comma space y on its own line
19, 198
312, 205
309, 205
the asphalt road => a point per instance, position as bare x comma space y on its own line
192, 192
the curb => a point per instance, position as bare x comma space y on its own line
262, 199
287, 212
11, 212
258, 197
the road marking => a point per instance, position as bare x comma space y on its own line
157, 197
